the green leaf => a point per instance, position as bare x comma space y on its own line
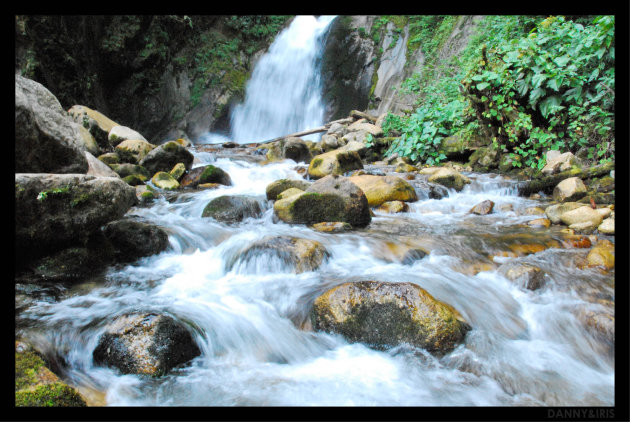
535, 95
483, 85
550, 105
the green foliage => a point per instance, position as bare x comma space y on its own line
551, 89
524, 83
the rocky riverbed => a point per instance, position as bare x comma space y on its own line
305, 273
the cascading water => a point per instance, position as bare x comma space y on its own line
284, 94
250, 318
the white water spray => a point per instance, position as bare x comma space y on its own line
283, 95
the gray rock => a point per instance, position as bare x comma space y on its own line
54, 211
145, 344
383, 314
46, 138
165, 156
133, 239
232, 208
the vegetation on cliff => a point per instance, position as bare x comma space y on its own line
527, 84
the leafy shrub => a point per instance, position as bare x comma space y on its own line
527, 84
553, 89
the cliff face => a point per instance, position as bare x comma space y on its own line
154, 73
366, 61
177, 76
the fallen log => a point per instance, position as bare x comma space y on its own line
548, 183
309, 131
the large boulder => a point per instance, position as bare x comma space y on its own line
449, 178
165, 156
301, 255
570, 189
133, 239
336, 162
232, 208
380, 189
277, 187
58, 210
46, 139
383, 314
332, 198
205, 174
145, 343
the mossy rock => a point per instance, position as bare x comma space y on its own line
205, 174
37, 386
386, 314
275, 188
449, 178
109, 158
164, 181
135, 179
178, 171
128, 169
332, 198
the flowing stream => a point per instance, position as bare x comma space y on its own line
251, 318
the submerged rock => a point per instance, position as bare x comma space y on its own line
145, 344
383, 314
301, 254
482, 208
524, 275
602, 255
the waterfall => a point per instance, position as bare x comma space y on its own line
283, 95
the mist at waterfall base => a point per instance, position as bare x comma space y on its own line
283, 95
